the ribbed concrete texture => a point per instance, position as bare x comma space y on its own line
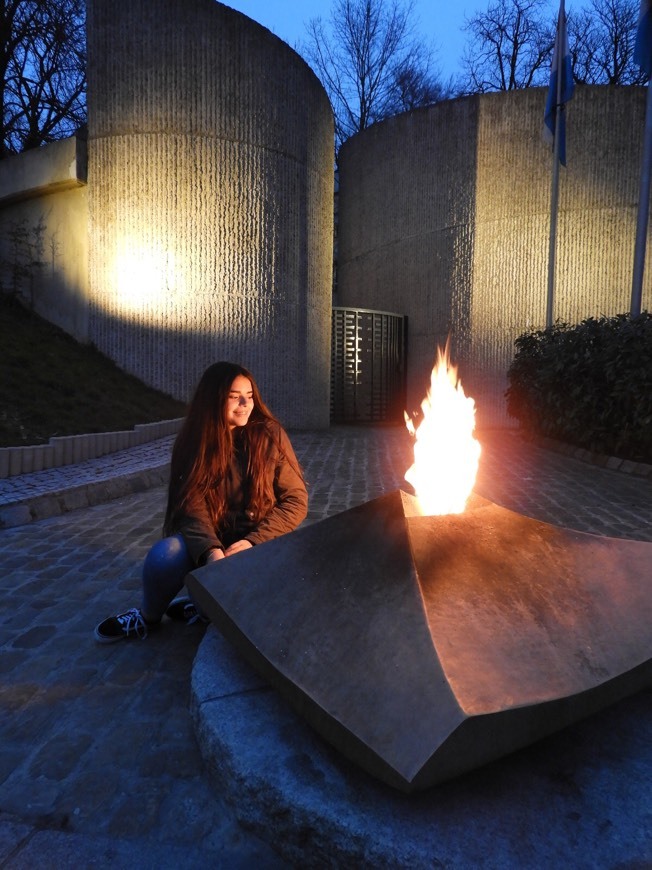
210, 199
444, 215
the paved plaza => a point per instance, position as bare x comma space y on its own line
99, 763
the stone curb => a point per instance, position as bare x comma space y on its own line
87, 495
316, 809
72, 449
602, 460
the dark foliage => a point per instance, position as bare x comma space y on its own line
588, 385
42, 72
52, 385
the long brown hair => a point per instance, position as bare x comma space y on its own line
203, 450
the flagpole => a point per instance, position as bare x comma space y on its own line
554, 204
560, 92
643, 210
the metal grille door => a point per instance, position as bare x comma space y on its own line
368, 370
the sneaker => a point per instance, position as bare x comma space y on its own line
131, 623
184, 610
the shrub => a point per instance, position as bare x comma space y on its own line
588, 385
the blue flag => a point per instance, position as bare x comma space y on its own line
643, 47
561, 88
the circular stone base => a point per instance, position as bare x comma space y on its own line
580, 798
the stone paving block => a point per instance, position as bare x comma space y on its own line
60, 756
34, 637
13, 834
46, 506
16, 515
74, 499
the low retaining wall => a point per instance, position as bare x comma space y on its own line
70, 449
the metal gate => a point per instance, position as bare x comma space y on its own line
368, 366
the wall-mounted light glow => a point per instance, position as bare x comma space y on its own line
145, 277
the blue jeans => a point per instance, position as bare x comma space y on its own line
164, 570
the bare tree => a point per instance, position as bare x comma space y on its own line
370, 62
42, 70
511, 44
510, 47
414, 86
601, 40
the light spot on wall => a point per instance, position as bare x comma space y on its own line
144, 277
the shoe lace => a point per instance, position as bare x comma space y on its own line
132, 620
190, 613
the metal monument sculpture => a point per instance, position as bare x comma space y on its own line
422, 646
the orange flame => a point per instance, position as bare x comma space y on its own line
446, 453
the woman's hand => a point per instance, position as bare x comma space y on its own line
237, 547
214, 555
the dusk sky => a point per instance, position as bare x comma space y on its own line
439, 22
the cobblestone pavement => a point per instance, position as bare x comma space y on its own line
98, 761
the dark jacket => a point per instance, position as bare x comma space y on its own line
288, 511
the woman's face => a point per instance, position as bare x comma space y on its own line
240, 402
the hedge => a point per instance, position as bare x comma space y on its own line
589, 385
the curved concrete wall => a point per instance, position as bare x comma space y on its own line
444, 215
44, 232
210, 200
